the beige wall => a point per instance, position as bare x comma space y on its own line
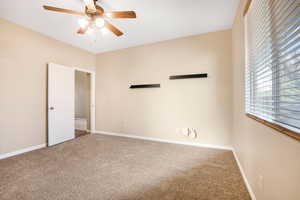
262, 151
203, 104
82, 95
23, 58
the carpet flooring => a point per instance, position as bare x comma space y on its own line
97, 167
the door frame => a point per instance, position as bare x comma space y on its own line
92, 97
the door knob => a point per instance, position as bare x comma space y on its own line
51, 108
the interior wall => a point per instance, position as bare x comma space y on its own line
203, 104
82, 96
24, 55
270, 159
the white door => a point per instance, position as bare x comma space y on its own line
61, 89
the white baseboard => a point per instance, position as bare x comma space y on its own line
6, 155
244, 176
164, 140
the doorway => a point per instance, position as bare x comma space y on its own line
84, 108
82, 103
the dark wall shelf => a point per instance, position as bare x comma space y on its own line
188, 76
145, 86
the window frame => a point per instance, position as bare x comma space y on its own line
280, 127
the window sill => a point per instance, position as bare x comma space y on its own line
276, 127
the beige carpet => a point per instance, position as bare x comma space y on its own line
95, 167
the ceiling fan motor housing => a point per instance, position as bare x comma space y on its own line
99, 11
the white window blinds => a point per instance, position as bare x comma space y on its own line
273, 61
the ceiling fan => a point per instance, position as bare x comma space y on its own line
96, 17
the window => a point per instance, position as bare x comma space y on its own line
272, 76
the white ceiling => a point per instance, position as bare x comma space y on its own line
157, 20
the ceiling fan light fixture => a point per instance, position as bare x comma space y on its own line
89, 30
83, 22
99, 22
104, 31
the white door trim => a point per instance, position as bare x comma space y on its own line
93, 97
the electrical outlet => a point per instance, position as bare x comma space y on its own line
194, 134
186, 132
260, 182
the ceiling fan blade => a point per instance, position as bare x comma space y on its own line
90, 4
55, 9
121, 14
113, 29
